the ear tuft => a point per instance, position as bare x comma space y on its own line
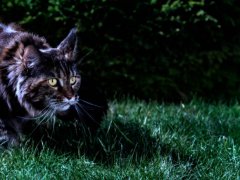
69, 45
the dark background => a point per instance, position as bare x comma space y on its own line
169, 50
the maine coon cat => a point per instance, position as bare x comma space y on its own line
39, 84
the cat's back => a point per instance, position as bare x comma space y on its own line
7, 34
12, 35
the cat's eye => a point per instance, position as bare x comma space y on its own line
52, 82
73, 80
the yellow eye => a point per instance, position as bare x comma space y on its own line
73, 80
52, 82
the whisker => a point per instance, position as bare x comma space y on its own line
79, 105
52, 119
78, 111
44, 115
44, 118
39, 122
89, 103
41, 113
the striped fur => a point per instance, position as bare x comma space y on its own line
27, 63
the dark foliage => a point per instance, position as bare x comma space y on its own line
168, 49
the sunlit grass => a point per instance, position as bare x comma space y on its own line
140, 140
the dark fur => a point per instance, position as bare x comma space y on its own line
27, 101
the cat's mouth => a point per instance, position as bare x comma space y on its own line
65, 110
64, 105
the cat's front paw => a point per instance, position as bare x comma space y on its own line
9, 140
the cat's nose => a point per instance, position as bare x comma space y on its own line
70, 101
69, 96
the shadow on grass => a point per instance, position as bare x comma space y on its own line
115, 141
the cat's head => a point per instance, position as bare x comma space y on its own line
48, 80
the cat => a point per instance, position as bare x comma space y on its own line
41, 86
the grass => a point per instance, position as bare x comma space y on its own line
140, 140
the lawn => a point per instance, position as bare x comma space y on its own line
140, 140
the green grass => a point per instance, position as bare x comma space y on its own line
141, 140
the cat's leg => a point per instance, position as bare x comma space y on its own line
7, 137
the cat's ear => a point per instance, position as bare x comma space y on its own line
69, 46
28, 56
